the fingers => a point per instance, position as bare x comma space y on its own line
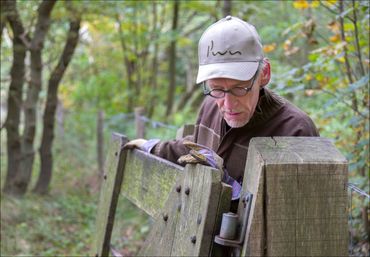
191, 145
187, 159
136, 143
200, 157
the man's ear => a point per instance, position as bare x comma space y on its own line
266, 72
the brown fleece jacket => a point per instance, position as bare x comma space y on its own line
274, 116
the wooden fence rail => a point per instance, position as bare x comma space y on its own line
299, 206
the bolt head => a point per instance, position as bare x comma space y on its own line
193, 239
178, 189
187, 191
165, 217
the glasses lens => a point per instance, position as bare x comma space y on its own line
239, 91
217, 93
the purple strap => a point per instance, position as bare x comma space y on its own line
149, 145
236, 187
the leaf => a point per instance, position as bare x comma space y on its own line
330, 2
315, 3
354, 121
349, 26
359, 83
343, 14
295, 89
301, 4
292, 28
269, 48
184, 41
330, 114
335, 38
334, 26
330, 102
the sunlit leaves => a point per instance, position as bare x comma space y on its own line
330, 2
267, 48
289, 49
301, 4
334, 26
183, 42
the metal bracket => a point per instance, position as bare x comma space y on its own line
226, 239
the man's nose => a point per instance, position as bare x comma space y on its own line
229, 101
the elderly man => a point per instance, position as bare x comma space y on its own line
237, 107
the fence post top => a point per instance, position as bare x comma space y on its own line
297, 149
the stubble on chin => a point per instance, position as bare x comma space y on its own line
236, 123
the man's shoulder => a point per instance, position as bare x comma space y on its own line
295, 111
299, 119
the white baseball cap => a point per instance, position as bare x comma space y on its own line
229, 48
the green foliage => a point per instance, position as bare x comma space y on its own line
63, 222
309, 59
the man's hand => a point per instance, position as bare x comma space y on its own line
205, 155
201, 154
136, 143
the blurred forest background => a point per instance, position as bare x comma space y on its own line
72, 72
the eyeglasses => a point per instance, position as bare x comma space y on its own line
236, 91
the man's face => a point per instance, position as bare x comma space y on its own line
236, 110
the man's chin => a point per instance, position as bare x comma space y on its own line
236, 123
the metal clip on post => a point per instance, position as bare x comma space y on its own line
229, 225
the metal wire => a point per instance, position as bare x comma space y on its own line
156, 124
354, 188
358, 190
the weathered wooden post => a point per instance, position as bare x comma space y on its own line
100, 141
299, 206
139, 123
186, 203
185, 130
109, 193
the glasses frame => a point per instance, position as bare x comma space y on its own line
206, 90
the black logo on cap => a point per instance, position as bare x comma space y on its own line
210, 49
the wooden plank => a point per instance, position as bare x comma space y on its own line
223, 207
139, 122
160, 239
253, 182
110, 188
186, 130
304, 203
191, 216
198, 211
148, 180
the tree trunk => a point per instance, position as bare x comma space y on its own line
51, 105
226, 10
153, 79
130, 66
60, 119
14, 98
4, 10
36, 46
172, 56
191, 88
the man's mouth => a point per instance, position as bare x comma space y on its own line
232, 114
